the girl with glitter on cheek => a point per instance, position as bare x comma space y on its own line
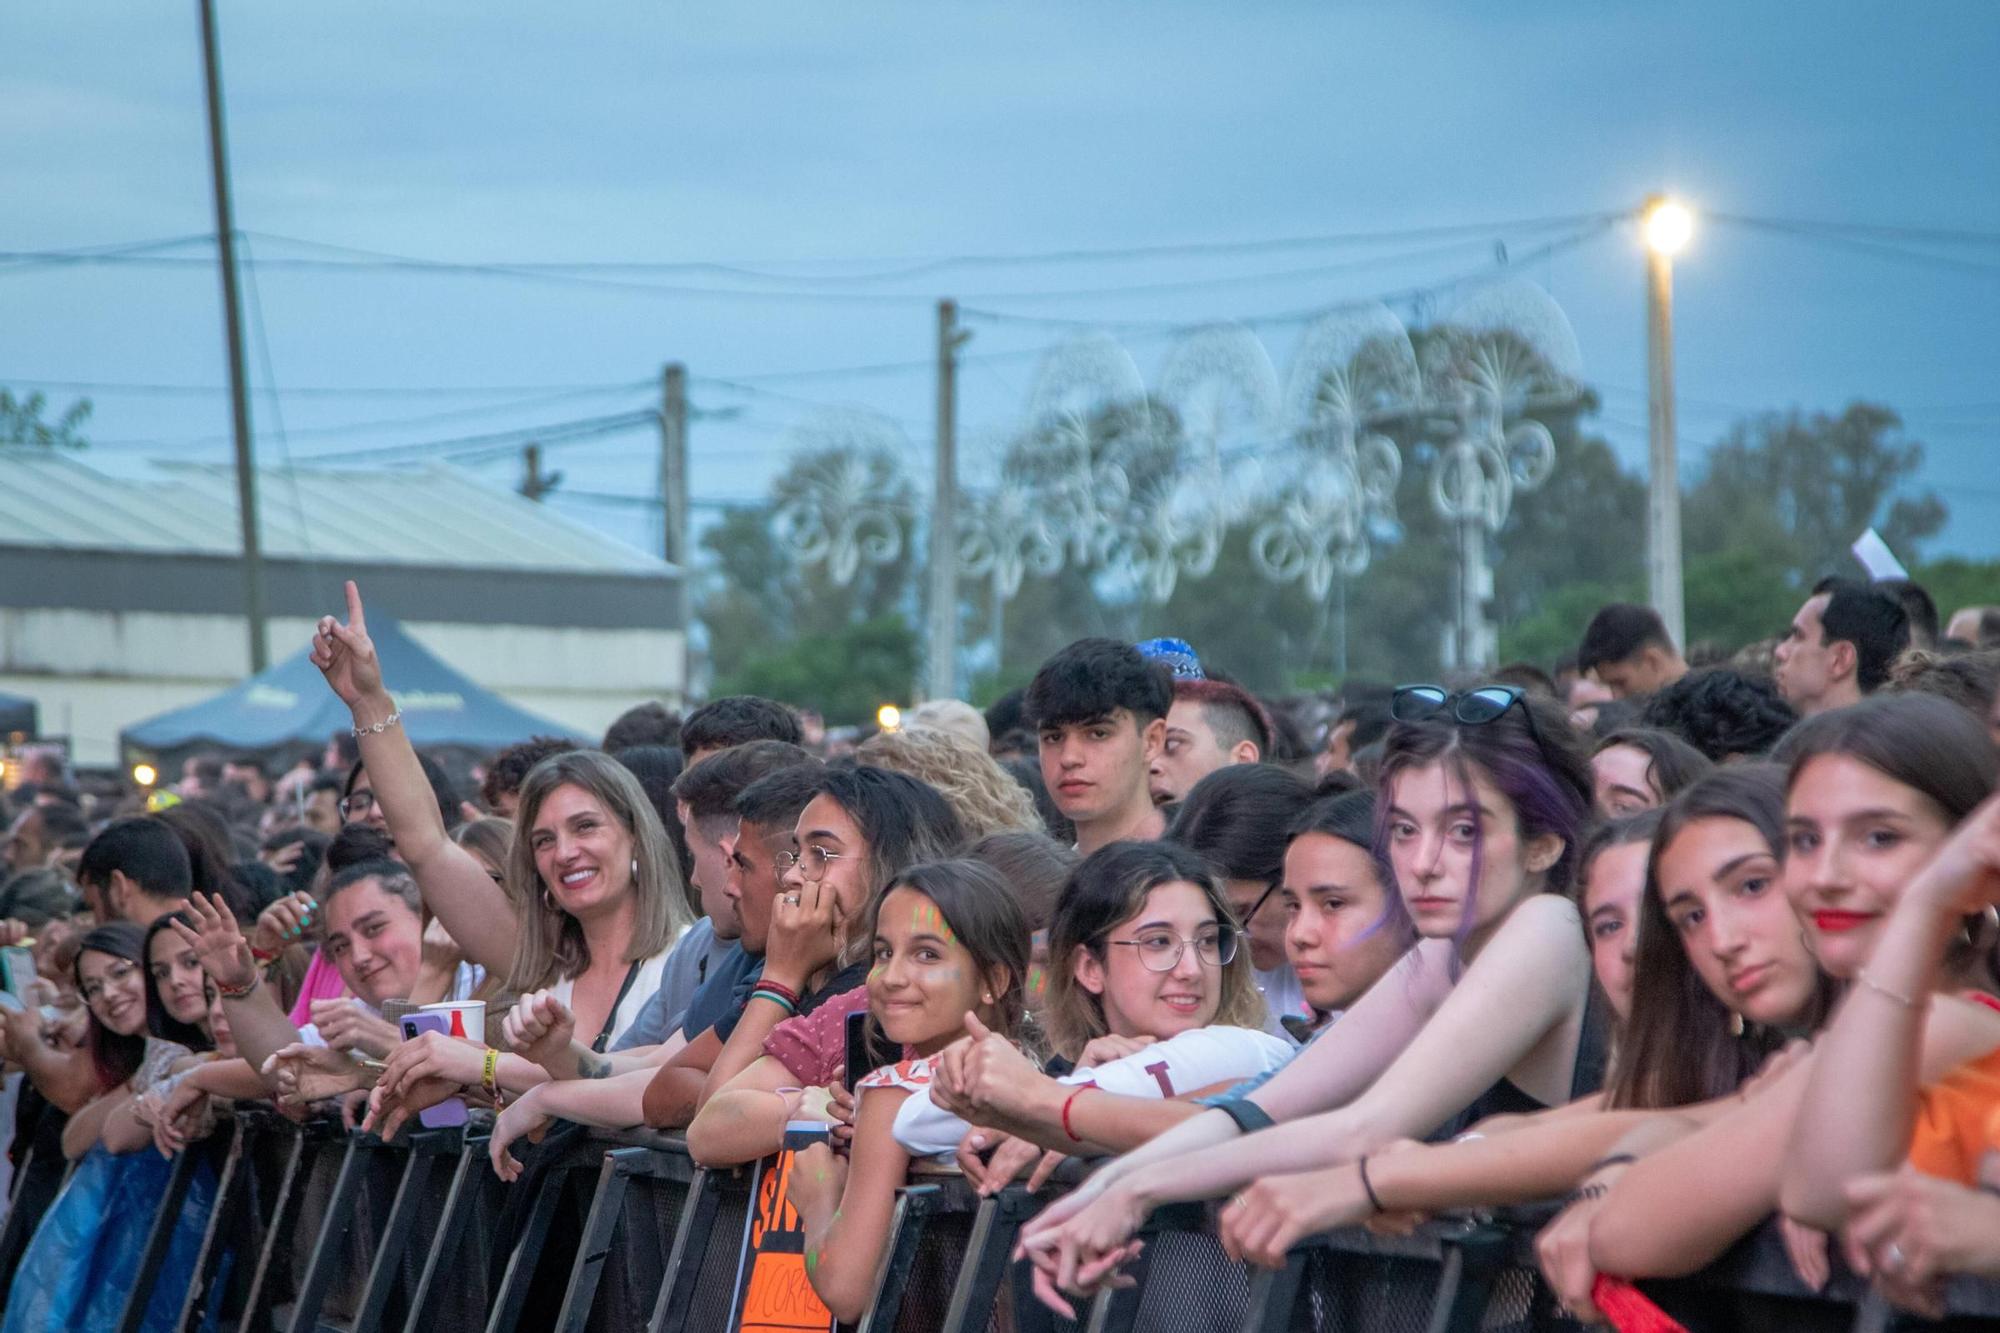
950, 959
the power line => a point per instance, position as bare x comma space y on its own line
1839, 240
155, 389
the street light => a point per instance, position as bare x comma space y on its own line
1667, 226
889, 717
145, 774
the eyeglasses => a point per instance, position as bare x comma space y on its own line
1161, 950
1470, 708
811, 862
115, 975
358, 805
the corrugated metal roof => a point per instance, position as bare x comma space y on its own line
434, 515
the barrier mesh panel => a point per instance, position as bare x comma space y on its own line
630, 1280
1346, 1292
941, 1252
715, 1290
1190, 1285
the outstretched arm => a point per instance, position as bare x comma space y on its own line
259, 1026
455, 886
1860, 1106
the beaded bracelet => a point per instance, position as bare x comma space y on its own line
239, 992
1594, 1190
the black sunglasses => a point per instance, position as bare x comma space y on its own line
1470, 708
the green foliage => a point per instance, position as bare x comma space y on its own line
846, 674
21, 423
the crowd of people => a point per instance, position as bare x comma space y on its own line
1684, 945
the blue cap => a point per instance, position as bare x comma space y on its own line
1178, 654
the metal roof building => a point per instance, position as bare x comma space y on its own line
121, 596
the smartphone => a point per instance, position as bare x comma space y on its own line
446, 1114
861, 1061
17, 970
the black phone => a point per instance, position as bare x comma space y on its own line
861, 1061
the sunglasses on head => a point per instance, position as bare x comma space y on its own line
1469, 708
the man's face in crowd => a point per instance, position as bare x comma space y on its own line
753, 878
705, 840
1338, 756
1190, 752
1093, 768
1642, 673
1804, 663
322, 811
27, 841
254, 784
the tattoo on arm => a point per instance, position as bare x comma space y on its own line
593, 1065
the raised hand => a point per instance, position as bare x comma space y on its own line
346, 1026
217, 942
805, 933
284, 921
345, 654
539, 1027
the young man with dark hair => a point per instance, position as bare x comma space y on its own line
737, 720
1211, 725
1919, 607
1839, 646
500, 789
136, 870
1975, 626
246, 772
1100, 713
38, 832
1722, 713
1364, 719
706, 795
1628, 650
648, 723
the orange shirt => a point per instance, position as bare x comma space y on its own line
1958, 1118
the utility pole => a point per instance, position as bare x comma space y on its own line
534, 482
1667, 228
673, 465
942, 655
232, 323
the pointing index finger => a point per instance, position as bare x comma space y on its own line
357, 621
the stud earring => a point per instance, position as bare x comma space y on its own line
635, 865
1735, 1024
986, 998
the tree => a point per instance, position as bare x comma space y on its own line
1800, 488
845, 675
760, 602
21, 422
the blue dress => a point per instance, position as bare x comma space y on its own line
84, 1258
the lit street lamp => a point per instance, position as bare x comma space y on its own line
1667, 227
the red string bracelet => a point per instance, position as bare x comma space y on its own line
1074, 1137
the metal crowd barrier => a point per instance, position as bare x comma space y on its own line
315, 1228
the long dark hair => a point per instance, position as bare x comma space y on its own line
904, 821
158, 1021
113, 1058
1534, 761
1680, 1045
983, 914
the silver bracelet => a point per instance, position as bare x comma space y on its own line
378, 728
1906, 1001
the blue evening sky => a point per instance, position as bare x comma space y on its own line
820, 141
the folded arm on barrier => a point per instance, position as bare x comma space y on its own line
847, 1208
746, 1120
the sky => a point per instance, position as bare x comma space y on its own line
821, 146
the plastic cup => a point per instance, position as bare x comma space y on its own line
467, 1018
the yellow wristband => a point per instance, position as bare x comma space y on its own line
489, 1078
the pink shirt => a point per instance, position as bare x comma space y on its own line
321, 982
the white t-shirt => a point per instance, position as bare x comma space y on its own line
641, 990
1198, 1059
